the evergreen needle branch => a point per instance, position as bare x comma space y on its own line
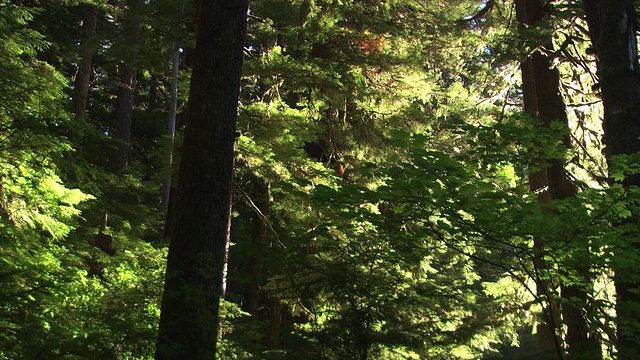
470, 255
471, 225
547, 311
480, 14
603, 172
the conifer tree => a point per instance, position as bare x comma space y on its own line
126, 86
87, 45
197, 253
613, 30
548, 178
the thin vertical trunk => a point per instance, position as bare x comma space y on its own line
197, 251
125, 97
168, 191
613, 29
257, 303
171, 129
254, 296
543, 102
82, 79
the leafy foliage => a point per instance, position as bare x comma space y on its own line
381, 199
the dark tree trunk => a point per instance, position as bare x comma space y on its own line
125, 97
193, 284
82, 80
252, 259
529, 13
544, 103
612, 28
272, 340
255, 252
258, 303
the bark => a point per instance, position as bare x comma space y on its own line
613, 28
82, 80
273, 340
125, 98
543, 102
193, 283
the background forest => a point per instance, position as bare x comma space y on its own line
414, 179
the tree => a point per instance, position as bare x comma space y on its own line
87, 47
190, 305
542, 101
547, 177
171, 128
325, 83
127, 83
613, 28
390, 197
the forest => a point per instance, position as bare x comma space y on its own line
319, 179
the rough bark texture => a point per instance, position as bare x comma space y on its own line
82, 80
612, 28
125, 97
543, 102
190, 306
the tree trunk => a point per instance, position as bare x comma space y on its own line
529, 13
193, 284
124, 112
125, 97
81, 84
272, 340
612, 28
171, 130
543, 102
252, 261
254, 296
258, 304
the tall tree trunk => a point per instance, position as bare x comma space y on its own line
529, 13
193, 283
252, 260
253, 294
548, 332
613, 28
168, 188
171, 130
258, 303
125, 97
543, 102
82, 80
